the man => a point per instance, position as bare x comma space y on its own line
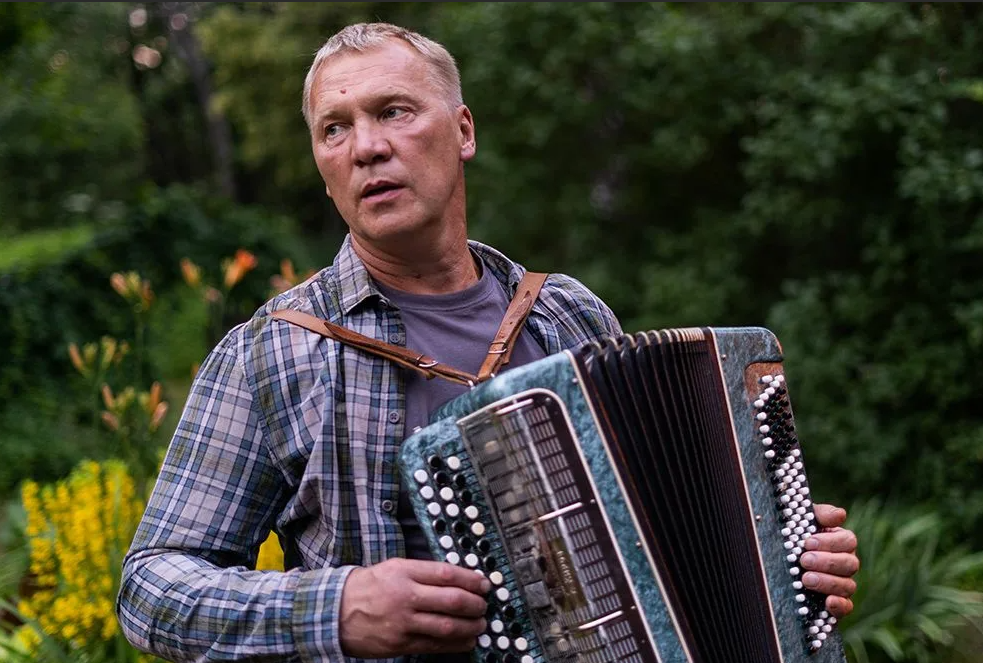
287, 428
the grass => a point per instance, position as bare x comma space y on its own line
42, 246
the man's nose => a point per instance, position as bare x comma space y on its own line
370, 143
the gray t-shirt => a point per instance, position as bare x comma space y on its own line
455, 329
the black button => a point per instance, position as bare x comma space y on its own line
465, 542
483, 546
489, 563
436, 462
508, 612
510, 658
440, 526
441, 478
515, 628
465, 496
491, 657
491, 612
459, 527
460, 480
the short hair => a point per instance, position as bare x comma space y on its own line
363, 36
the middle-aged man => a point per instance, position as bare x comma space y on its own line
288, 429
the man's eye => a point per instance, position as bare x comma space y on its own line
332, 130
390, 113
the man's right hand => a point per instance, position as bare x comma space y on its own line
409, 606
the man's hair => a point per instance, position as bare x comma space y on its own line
363, 36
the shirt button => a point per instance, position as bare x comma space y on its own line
388, 506
395, 337
394, 417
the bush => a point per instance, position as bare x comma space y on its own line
909, 605
47, 415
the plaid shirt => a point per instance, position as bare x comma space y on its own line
286, 429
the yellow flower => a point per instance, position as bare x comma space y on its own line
78, 531
270, 554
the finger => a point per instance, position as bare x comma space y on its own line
827, 584
839, 607
828, 515
444, 574
452, 601
837, 564
445, 627
839, 540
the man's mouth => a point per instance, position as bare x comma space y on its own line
376, 192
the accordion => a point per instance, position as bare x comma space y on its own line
641, 499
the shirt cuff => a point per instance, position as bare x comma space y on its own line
316, 612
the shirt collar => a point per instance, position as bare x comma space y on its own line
356, 286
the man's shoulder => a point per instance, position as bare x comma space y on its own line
261, 336
565, 297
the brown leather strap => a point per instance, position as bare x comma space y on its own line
427, 366
500, 350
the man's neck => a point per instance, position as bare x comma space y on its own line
430, 269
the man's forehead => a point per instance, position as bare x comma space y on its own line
392, 59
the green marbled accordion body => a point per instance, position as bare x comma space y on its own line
641, 499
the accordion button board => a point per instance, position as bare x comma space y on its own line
641, 500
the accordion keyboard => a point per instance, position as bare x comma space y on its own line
463, 530
546, 540
783, 457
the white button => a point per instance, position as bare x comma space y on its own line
528, 659
502, 594
446, 494
477, 529
426, 493
496, 577
433, 509
521, 644
452, 510
453, 557
471, 512
497, 626
471, 560
484, 641
503, 642
446, 542
454, 463
421, 476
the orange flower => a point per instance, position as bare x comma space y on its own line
191, 272
243, 263
73, 354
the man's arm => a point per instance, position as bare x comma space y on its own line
187, 593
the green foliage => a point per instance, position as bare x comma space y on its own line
49, 420
43, 246
71, 128
910, 607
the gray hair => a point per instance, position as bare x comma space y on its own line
363, 36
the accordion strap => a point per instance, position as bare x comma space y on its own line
499, 351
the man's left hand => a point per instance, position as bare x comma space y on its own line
831, 560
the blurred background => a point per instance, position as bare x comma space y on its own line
813, 168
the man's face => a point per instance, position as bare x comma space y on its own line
388, 144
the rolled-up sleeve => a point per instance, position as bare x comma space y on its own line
188, 591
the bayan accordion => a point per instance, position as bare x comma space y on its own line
641, 499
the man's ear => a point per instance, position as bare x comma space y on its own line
327, 190
466, 125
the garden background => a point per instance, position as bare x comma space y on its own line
816, 169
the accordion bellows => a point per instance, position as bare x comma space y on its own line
641, 499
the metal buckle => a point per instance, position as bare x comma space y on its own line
498, 352
430, 364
